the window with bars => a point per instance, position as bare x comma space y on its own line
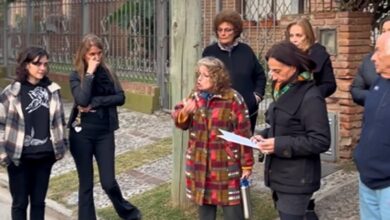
271, 9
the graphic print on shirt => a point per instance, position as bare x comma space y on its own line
31, 141
39, 98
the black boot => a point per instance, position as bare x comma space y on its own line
310, 212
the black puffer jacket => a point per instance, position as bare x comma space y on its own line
299, 123
323, 74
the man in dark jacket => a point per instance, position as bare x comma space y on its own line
364, 78
366, 73
373, 151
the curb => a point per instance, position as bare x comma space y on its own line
53, 208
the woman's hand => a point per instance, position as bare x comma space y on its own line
257, 139
189, 106
246, 174
92, 65
267, 146
85, 109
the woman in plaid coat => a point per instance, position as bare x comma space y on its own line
214, 166
32, 133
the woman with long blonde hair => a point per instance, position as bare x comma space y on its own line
94, 118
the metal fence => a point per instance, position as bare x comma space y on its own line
131, 30
135, 32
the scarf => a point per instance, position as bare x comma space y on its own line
280, 90
229, 47
206, 95
102, 85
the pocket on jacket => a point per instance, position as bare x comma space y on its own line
287, 171
233, 162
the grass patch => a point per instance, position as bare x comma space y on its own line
63, 185
156, 204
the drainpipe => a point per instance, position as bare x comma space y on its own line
218, 6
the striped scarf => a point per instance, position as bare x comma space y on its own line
280, 90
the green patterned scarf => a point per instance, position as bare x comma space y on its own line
277, 91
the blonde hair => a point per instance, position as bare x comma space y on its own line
307, 30
218, 73
88, 41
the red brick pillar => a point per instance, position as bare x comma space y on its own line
353, 43
354, 32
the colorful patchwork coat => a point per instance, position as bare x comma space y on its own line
213, 165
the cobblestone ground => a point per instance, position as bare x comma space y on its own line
338, 197
341, 205
336, 200
136, 130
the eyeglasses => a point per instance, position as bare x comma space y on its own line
37, 63
226, 30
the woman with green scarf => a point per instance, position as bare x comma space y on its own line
298, 132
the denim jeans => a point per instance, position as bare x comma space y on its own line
374, 203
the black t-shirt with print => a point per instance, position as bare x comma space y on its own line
35, 106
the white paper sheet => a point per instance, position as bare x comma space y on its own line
231, 137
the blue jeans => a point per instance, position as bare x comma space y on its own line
374, 203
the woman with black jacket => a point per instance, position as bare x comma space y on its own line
301, 34
298, 132
93, 120
246, 73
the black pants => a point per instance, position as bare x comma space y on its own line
253, 119
84, 146
29, 182
209, 212
294, 206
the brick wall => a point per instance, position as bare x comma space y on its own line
353, 42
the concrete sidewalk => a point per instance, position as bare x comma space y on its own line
338, 197
54, 210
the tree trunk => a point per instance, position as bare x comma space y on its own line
185, 51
